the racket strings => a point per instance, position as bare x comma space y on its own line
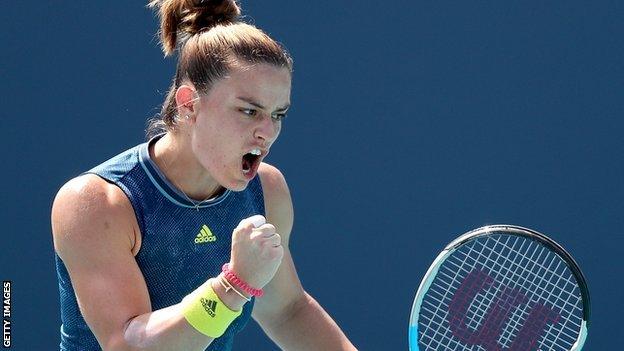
514, 263
546, 280
542, 281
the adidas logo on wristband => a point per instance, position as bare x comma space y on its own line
210, 306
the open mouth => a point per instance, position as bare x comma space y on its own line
250, 161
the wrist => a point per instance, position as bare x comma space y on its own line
238, 283
206, 312
230, 298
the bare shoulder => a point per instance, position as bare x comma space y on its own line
277, 200
93, 226
273, 181
85, 209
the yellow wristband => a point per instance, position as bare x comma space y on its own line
205, 311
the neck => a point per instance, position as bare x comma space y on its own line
174, 157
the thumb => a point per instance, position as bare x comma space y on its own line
253, 221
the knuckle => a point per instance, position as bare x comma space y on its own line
243, 229
265, 232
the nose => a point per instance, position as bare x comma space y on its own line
267, 130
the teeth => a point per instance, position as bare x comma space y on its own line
256, 152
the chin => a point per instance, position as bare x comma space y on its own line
237, 185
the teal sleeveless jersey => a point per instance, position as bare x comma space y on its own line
181, 248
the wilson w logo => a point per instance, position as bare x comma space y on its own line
495, 314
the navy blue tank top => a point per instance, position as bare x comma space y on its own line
182, 246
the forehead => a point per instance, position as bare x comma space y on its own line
269, 85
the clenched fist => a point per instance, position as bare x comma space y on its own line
256, 251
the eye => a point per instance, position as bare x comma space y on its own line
249, 112
278, 116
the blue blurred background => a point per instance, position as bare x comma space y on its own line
412, 122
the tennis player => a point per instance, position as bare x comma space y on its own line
177, 242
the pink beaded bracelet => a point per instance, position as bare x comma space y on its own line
239, 283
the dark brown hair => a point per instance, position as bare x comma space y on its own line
210, 40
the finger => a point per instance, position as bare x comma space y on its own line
266, 230
257, 220
276, 240
262, 233
272, 241
252, 222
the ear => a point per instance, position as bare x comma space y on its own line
185, 100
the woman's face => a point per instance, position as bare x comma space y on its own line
238, 121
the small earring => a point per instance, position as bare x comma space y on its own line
187, 117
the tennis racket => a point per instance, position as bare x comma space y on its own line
501, 288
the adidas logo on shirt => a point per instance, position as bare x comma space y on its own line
205, 236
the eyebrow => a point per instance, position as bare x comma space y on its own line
256, 104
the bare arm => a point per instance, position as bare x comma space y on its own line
95, 233
289, 315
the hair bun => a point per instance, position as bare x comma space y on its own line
181, 18
209, 13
